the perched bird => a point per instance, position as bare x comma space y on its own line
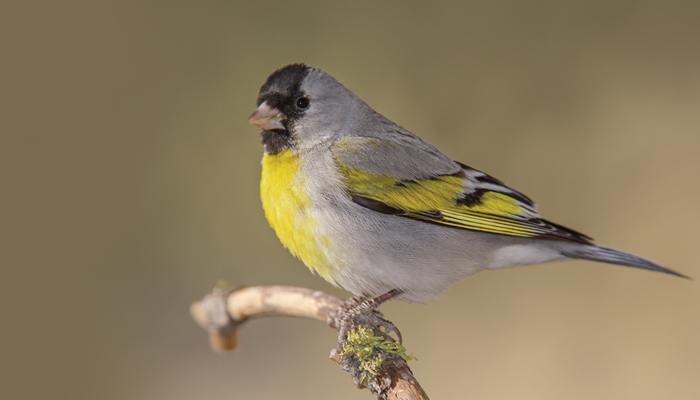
374, 209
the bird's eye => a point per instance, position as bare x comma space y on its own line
302, 102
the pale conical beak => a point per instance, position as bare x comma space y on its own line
266, 118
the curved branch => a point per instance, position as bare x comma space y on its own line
222, 312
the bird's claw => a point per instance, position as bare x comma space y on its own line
360, 310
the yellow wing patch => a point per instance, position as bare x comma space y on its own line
435, 200
413, 196
497, 204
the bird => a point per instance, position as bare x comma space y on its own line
377, 211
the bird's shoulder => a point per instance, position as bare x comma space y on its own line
399, 156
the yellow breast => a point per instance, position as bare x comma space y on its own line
287, 209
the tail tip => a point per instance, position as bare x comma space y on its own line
612, 256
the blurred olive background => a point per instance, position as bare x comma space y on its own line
130, 187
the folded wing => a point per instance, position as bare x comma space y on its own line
406, 177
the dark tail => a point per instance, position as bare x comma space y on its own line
606, 255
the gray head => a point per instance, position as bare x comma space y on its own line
299, 106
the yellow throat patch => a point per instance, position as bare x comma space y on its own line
286, 207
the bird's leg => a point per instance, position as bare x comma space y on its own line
357, 305
366, 304
363, 310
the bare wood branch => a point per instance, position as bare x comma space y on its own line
222, 312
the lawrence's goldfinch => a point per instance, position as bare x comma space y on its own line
372, 208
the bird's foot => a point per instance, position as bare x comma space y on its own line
367, 342
360, 310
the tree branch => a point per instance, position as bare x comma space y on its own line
223, 311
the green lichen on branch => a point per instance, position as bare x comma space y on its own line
370, 351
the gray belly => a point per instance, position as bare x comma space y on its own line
376, 252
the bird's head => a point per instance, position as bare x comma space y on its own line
299, 106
